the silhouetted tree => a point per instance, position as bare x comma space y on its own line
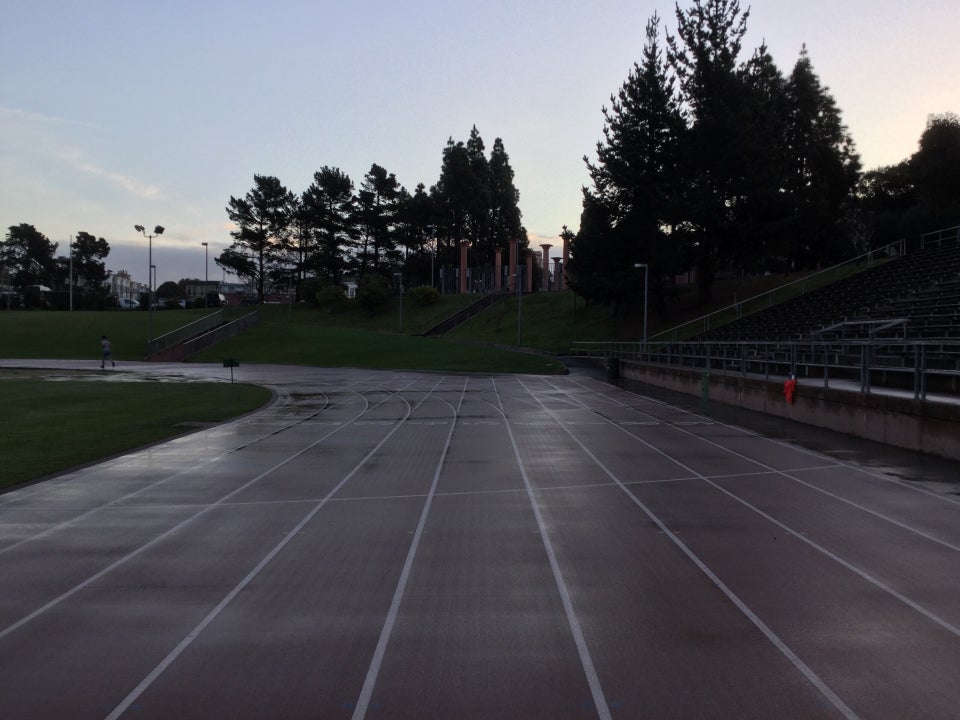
635, 184
88, 267
263, 219
823, 170
329, 206
27, 256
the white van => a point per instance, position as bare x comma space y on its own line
128, 303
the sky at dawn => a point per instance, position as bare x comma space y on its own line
117, 113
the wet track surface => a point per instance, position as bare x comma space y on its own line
403, 545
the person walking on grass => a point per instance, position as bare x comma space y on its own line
107, 357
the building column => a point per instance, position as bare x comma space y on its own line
557, 275
566, 263
512, 274
529, 278
545, 267
463, 265
498, 269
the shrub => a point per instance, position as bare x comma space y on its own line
329, 296
424, 295
373, 293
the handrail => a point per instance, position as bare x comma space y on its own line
460, 317
899, 248
905, 364
185, 332
896, 249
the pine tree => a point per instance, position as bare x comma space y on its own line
262, 218
823, 169
935, 171
634, 182
27, 256
704, 55
377, 211
505, 221
329, 205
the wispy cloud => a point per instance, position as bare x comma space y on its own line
9, 114
130, 184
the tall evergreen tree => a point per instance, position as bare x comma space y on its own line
377, 203
634, 182
479, 201
475, 199
935, 172
761, 214
27, 256
704, 55
453, 198
88, 267
505, 222
823, 169
262, 218
329, 204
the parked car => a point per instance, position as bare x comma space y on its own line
128, 303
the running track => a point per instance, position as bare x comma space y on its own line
401, 545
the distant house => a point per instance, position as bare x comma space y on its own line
121, 286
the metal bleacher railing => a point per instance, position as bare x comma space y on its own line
917, 366
886, 349
780, 294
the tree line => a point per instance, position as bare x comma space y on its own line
334, 229
28, 258
711, 162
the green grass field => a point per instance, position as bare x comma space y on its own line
76, 335
53, 425
55, 421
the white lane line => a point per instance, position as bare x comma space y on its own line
784, 649
376, 662
787, 474
163, 536
187, 471
930, 615
593, 680
856, 468
125, 704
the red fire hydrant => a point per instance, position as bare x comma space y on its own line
789, 388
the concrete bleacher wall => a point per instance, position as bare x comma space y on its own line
901, 422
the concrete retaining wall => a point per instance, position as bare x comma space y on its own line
912, 424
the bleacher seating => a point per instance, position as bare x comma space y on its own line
914, 297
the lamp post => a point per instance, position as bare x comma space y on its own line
399, 277
158, 230
519, 305
206, 275
646, 269
70, 246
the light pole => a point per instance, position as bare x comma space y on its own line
71, 272
646, 269
399, 277
206, 275
519, 306
158, 230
